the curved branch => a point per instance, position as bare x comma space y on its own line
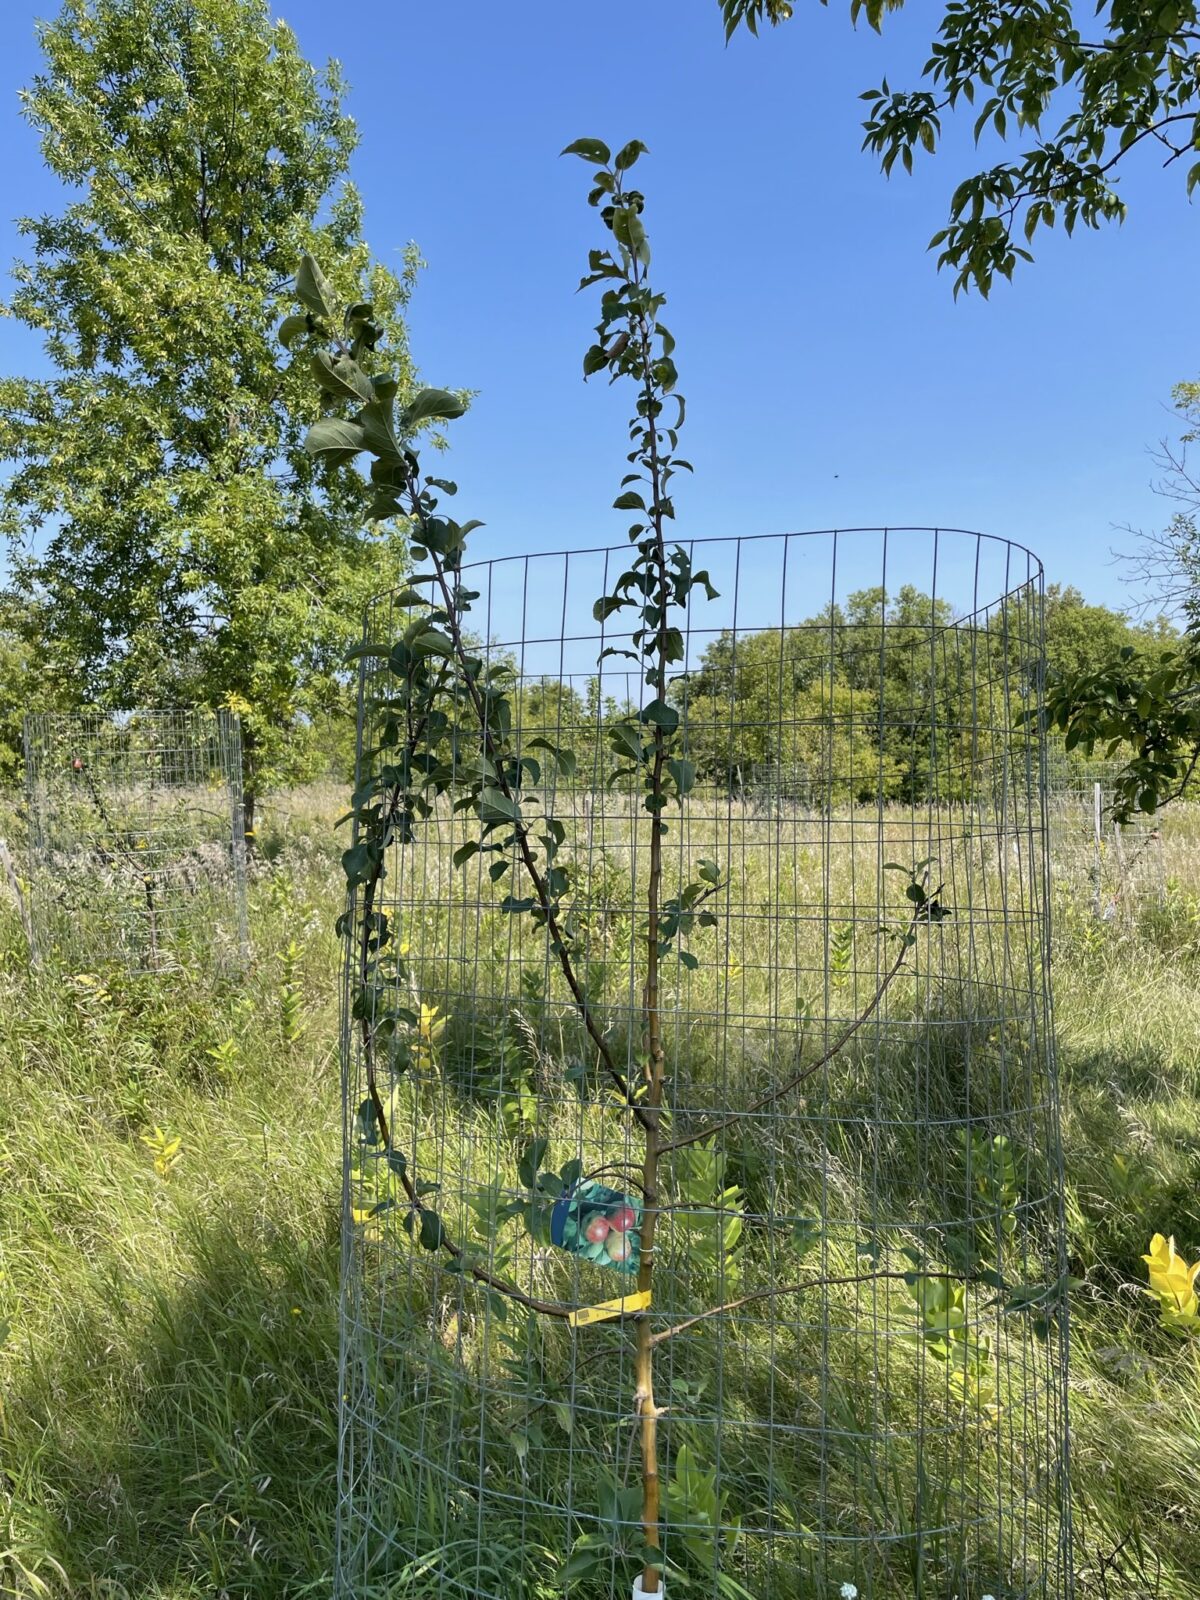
806, 1072
521, 830
770, 1294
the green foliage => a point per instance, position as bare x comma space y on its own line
1083, 94
173, 1346
291, 996
171, 540
1136, 693
949, 1328
1145, 701
772, 712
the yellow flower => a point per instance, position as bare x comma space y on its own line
403, 948
1171, 1279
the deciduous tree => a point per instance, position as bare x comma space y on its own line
171, 538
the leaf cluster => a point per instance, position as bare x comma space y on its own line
1081, 97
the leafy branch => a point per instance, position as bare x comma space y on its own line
926, 908
1136, 84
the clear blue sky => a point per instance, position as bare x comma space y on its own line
831, 378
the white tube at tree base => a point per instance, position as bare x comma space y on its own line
649, 1594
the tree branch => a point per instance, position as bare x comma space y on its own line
806, 1072
770, 1294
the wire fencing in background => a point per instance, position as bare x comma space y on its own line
136, 844
858, 1311
1115, 867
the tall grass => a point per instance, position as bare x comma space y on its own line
169, 1371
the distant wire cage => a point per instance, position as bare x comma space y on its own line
1116, 866
137, 848
858, 1313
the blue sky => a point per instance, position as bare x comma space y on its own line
831, 378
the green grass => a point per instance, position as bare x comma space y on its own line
170, 1370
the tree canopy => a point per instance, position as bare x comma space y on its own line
1081, 94
849, 704
172, 541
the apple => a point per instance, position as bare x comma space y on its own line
624, 1219
619, 1246
597, 1230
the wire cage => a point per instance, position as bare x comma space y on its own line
857, 1319
137, 849
1115, 866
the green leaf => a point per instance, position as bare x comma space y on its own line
397, 1163
379, 652
312, 288
379, 430
531, 1159
684, 774
291, 328
626, 740
661, 715
432, 1232
432, 405
338, 375
496, 806
464, 853
335, 438
628, 154
593, 150
608, 605
367, 1123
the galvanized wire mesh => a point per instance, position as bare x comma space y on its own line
137, 850
860, 1328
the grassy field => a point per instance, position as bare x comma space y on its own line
170, 1366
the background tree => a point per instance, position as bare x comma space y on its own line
1166, 565
1141, 698
172, 541
1082, 92
827, 697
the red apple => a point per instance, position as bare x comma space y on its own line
597, 1230
624, 1219
619, 1246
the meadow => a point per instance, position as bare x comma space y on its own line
169, 1363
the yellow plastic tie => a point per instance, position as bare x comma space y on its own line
609, 1309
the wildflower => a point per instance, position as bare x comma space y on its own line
848, 1592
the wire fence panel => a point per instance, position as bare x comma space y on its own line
858, 1312
137, 850
1115, 867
